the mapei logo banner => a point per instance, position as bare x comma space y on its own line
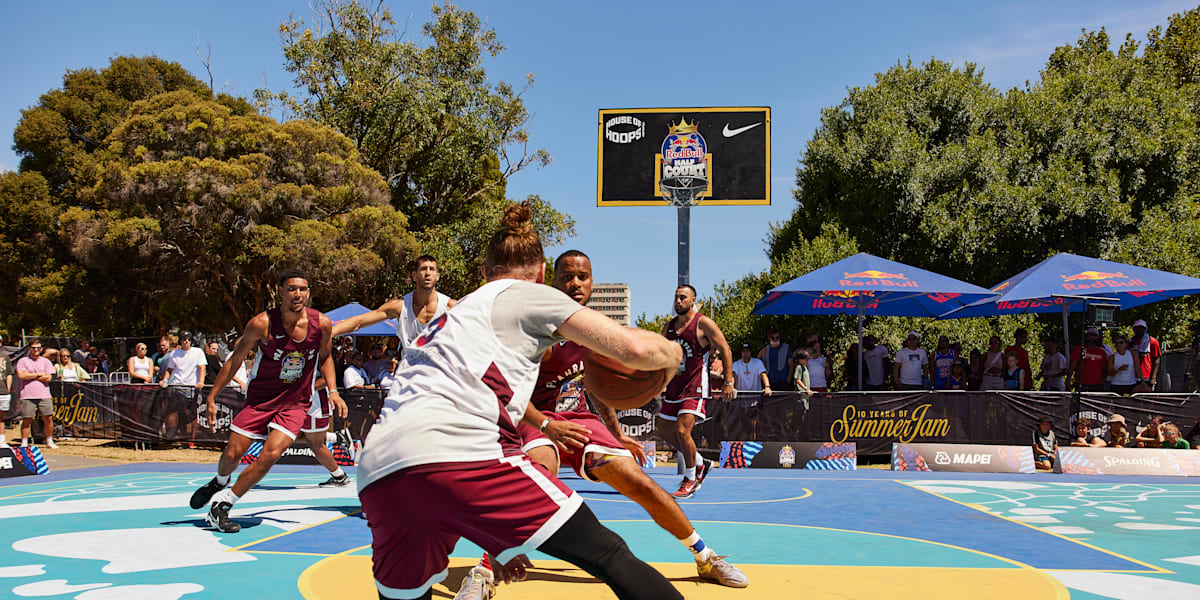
972, 458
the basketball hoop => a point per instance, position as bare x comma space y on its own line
683, 191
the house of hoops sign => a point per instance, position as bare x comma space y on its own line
624, 129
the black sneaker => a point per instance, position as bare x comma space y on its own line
201, 496
218, 517
336, 481
344, 439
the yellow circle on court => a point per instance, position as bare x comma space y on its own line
348, 577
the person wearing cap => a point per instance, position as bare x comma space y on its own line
1045, 446
1083, 435
1118, 434
184, 372
1147, 355
958, 376
911, 368
751, 373
1089, 363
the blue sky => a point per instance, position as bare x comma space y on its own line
795, 57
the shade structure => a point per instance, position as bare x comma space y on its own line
341, 313
869, 285
1063, 280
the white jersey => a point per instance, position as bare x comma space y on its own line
460, 390
408, 327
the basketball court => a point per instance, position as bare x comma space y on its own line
126, 532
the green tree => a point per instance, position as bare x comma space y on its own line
191, 207
422, 114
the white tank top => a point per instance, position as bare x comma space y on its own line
408, 327
141, 367
1128, 376
457, 393
816, 372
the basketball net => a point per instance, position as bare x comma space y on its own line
683, 191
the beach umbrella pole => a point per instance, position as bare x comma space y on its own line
861, 308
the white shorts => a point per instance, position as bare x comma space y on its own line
319, 413
5, 402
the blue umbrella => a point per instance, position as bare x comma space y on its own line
341, 313
868, 285
1066, 283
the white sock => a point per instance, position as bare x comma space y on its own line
3, 439
225, 495
330, 438
49, 440
24, 442
338, 473
694, 543
699, 459
222, 479
690, 473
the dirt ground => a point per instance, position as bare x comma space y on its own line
110, 450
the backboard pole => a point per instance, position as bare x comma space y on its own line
685, 235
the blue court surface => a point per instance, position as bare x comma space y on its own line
127, 532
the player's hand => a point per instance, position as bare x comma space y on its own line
728, 393
567, 434
199, 385
212, 414
766, 392
635, 448
514, 571
339, 405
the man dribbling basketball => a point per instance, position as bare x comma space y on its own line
683, 404
557, 424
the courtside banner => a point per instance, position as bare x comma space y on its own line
788, 455
1127, 461
969, 458
19, 462
300, 453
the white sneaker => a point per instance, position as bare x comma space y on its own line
50, 444
24, 442
716, 569
477, 585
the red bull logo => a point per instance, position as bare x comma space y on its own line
847, 293
873, 277
943, 298
1090, 280
1028, 304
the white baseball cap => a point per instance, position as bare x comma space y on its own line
1140, 323
914, 334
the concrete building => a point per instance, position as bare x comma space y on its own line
612, 299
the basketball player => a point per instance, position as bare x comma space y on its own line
434, 468
557, 422
412, 312
291, 341
683, 404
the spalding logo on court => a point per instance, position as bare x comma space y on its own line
617, 129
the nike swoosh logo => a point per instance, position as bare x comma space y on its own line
727, 132
280, 337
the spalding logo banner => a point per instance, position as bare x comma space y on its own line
788, 455
970, 458
1127, 461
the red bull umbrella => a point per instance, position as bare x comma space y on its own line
868, 285
1058, 284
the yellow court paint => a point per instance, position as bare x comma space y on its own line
345, 577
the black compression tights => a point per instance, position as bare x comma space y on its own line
585, 543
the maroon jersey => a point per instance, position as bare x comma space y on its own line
559, 386
283, 370
692, 380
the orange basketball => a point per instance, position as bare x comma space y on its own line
619, 386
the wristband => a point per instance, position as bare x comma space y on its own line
542, 428
729, 383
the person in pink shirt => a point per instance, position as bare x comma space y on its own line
35, 372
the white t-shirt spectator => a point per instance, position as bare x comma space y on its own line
873, 360
911, 364
353, 377
185, 365
749, 375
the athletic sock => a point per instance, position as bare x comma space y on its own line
222, 479
339, 473
24, 442
225, 495
690, 473
330, 438
696, 544
699, 459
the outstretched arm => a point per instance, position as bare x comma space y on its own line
634, 348
390, 310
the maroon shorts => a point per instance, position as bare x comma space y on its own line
601, 441
687, 406
255, 422
318, 413
507, 507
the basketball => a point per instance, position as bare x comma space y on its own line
618, 386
